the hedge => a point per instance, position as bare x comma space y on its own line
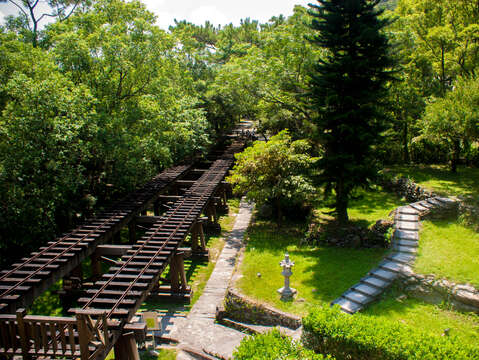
328, 330
273, 346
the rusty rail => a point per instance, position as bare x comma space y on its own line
21, 284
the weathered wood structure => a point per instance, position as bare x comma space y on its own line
108, 304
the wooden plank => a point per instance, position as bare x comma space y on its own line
43, 330
63, 340
71, 338
53, 334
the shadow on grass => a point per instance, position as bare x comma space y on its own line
373, 201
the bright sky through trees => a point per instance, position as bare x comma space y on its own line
216, 11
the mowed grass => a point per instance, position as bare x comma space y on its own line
441, 180
320, 274
433, 319
448, 250
368, 206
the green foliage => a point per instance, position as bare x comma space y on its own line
328, 330
277, 171
348, 87
453, 119
272, 346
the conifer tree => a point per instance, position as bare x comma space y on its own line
348, 91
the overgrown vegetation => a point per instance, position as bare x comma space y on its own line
277, 173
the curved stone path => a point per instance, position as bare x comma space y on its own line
404, 248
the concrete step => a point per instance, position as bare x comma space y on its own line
357, 297
406, 217
407, 225
426, 204
367, 290
434, 202
401, 258
405, 249
445, 201
347, 306
375, 281
419, 207
406, 235
409, 243
383, 274
391, 266
407, 210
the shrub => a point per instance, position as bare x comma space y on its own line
328, 330
272, 346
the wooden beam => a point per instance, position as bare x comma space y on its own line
112, 250
147, 219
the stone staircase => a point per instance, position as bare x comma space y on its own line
404, 248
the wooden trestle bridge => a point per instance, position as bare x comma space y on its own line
107, 305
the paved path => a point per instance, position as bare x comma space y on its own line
198, 330
404, 249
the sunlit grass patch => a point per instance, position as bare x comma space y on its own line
441, 180
448, 250
433, 319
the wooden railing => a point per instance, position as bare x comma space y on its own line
70, 337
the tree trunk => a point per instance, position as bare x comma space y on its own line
279, 213
406, 157
456, 150
342, 203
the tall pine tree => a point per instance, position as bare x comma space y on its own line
348, 90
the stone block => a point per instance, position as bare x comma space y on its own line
358, 297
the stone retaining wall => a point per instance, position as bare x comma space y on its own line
239, 307
429, 289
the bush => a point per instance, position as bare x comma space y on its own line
328, 330
272, 346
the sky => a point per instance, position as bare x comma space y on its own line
216, 11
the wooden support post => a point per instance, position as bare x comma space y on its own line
83, 337
224, 196
23, 334
78, 272
95, 267
202, 236
132, 232
117, 237
125, 348
174, 274
156, 208
194, 237
181, 268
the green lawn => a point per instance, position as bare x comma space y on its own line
440, 179
320, 274
430, 318
449, 250
369, 206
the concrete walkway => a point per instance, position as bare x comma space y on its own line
198, 330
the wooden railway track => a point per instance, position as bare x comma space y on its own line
111, 302
21, 284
